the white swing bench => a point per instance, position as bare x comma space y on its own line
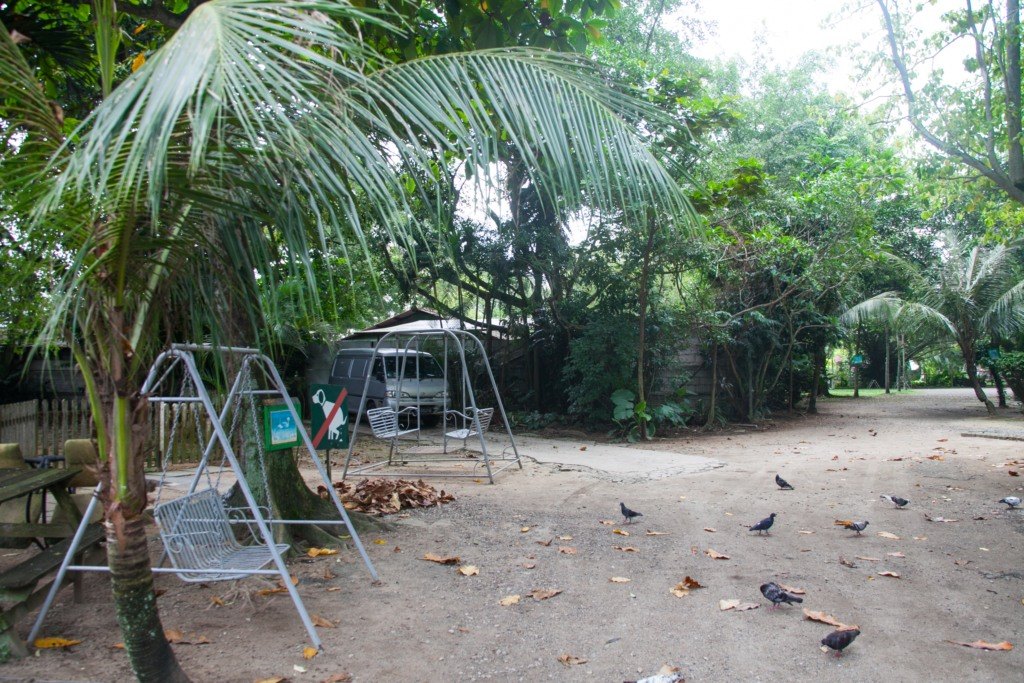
469, 425
197, 535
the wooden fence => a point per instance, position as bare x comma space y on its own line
41, 427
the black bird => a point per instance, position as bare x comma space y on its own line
856, 526
896, 500
1011, 501
765, 524
777, 595
783, 484
627, 514
840, 640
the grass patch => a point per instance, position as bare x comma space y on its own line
865, 393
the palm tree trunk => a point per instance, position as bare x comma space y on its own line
151, 656
972, 374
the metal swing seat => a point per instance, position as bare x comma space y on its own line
196, 533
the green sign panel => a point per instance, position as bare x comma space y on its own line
279, 428
329, 416
857, 360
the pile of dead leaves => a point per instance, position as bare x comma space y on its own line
387, 496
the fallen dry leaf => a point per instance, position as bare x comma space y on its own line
468, 570
317, 552
886, 534
567, 550
935, 456
619, 579
982, 645
846, 563
920, 538
791, 589
565, 538
509, 600
545, 543
684, 587
620, 532
824, 619
321, 622
710, 530
715, 555
888, 573
746, 606
384, 496
869, 559
939, 519
806, 533
570, 660
273, 679
896, 554
377, 541
338, 678
1013, 473
309, 652
216, 600
56, 642
656, 533
606, 522
727, 604
525, 529
625, 548
177, 637
431, 557
539, 594
528, 565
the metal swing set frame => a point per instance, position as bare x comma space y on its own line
201, 514
472, 422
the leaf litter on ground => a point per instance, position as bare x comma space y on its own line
387, 496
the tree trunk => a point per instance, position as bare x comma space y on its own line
972, 374
149, 653
126, 418
812, 399
1000, 387
642, 301
712, 401
1015, 156
887, 359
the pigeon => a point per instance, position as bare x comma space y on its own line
896, 500
765, 524
856, 526
840, 640
775, 593
1011, 501
627, 514
783, 484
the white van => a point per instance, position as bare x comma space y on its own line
422, 380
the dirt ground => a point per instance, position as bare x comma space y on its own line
960, 580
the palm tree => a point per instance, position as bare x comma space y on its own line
261, 127
977, 294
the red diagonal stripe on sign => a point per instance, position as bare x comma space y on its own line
327, 420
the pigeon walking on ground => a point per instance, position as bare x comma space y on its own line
777, 595
783, 484
896, 500
627, 514
1011, 501
840, 640
765, 524
856, 526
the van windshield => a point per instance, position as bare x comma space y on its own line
428, 367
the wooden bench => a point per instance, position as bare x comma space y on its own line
20, 592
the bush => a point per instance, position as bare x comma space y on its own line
1011, 367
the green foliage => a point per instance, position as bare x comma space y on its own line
631, 415
1011, 366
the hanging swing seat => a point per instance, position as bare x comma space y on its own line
197, 534
385, 425
469, 430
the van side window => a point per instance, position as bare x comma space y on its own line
358, 368
378, 370
340, 368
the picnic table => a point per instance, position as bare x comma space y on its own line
20, 589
